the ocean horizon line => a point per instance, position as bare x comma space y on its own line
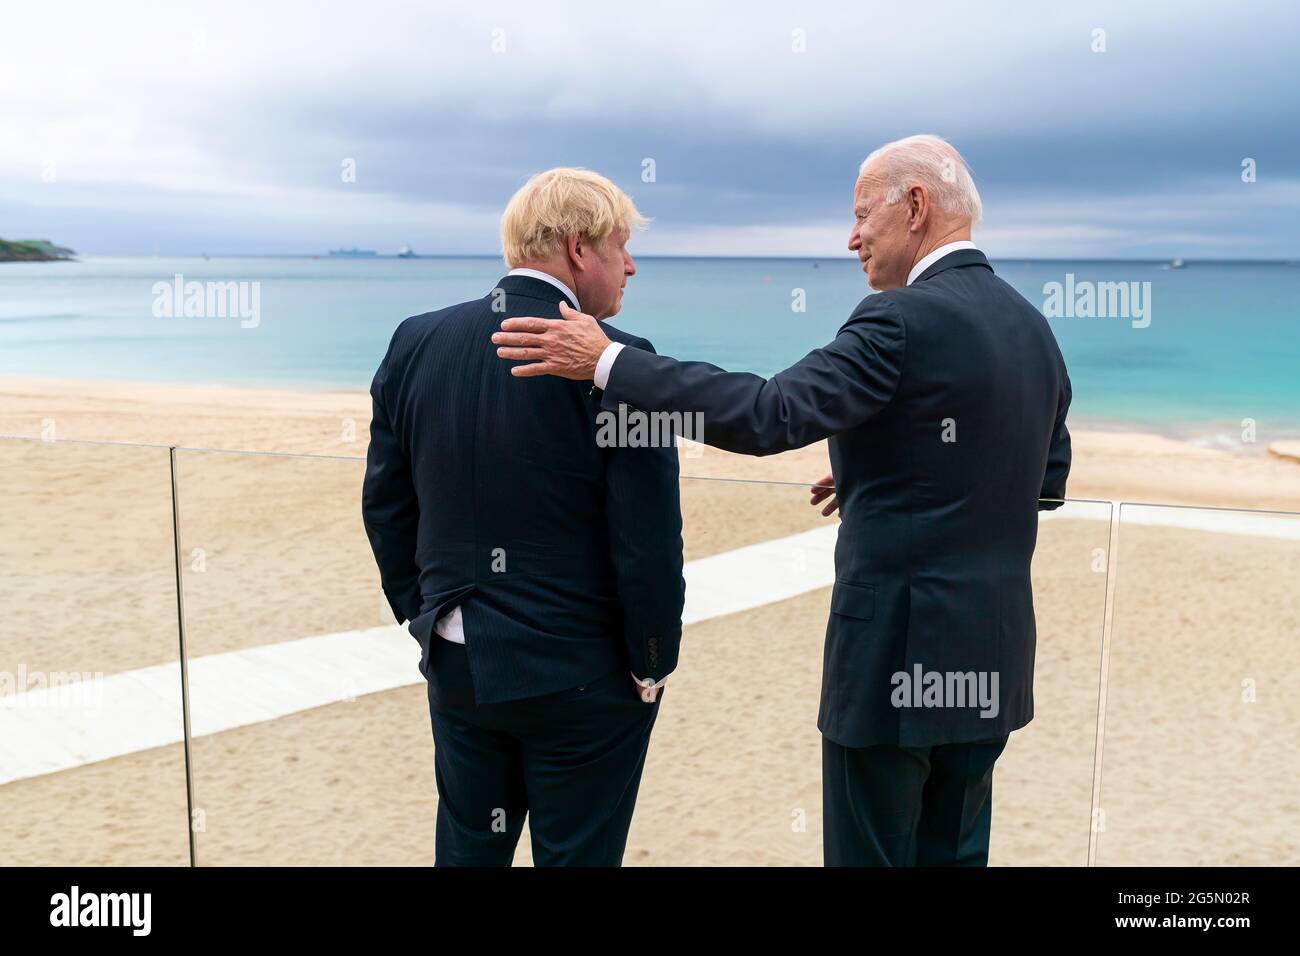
325, 256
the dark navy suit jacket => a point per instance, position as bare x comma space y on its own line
945, 405
491, 493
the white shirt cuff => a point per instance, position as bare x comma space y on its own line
647, 686
605, 363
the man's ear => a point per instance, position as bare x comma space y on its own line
576, 249
918, 203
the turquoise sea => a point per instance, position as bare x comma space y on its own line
1222, 343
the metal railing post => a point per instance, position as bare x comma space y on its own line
184, 659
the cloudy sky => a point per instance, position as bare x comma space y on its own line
226, 127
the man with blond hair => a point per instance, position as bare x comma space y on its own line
944, 397
546, 627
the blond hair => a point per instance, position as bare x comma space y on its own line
933, 163
563, 202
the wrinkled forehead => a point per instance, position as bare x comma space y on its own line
867, 186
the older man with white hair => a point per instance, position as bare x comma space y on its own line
944, 397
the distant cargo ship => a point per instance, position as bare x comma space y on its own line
353, 253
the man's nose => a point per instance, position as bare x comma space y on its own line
855, 239
630, 268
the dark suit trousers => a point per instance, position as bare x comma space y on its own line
570, 761
908, 806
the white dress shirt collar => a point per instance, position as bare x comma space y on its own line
935, 256
547, 277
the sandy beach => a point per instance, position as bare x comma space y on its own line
1199, 758
1108, 465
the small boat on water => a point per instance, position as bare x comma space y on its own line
406, 252
1176, 263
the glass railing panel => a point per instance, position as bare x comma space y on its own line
1199, 756
92, 762
1043, 782
290, 765
733, 773
311, 731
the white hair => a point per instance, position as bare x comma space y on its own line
931, 162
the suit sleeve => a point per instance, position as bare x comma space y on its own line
830, 390
1058, 453
389, 507
644, 516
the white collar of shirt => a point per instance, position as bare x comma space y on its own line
547, 277
935, 256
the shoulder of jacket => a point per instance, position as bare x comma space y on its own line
880, 308
616, 334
